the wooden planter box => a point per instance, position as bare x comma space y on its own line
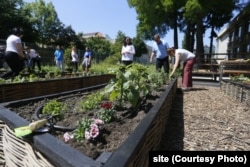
237, 91
133, 151
17, 91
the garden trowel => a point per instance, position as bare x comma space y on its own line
26, 130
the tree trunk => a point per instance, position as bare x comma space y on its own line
199, 39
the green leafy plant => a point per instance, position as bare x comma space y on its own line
157, 79
54, 107
240, 77
106, 112
131, 83
82, 126
90, 102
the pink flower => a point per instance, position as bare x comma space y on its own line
98, 121
94, 131
67, 136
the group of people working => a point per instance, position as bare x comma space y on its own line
16, 57
162, 52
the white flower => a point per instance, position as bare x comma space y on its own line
87, 135
67, 136
98, 121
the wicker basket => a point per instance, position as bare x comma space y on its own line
16, 152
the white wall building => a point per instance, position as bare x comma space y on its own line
222, 44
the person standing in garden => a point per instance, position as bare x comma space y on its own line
14, 56
128, 51
160, 52
75, 58
188, 59
59, 58
86, 63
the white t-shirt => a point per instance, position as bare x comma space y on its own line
75, 57
128, 56
33, 53
184, 54
11, 42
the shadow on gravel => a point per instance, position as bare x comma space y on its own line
197, 89
172, 139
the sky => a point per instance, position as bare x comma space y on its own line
105, 16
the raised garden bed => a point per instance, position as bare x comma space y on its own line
17, 91
132, 152
239, 91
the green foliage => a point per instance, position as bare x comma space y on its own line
100, 48
11, 15
68, 58
130, 84
116, 48
240, 77
44, 19
107, 115
114, 59
101, 68
91, 102
82, 127
140, 47
106, 112
157, 79
53, 73
54, 107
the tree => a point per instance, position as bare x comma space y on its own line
209, 14
140, 46
158, 17
151, 16
44, 20
191, 16
11, 16
116, 48
100, 48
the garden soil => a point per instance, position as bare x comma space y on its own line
200, 119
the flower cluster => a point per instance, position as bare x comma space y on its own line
87, 128
106, 105
106, 112
94, 129
68, 136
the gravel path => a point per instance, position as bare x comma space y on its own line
206, 119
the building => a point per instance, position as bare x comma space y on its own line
98, 34
234, 40
93, 34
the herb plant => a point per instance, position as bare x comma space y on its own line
54, 107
